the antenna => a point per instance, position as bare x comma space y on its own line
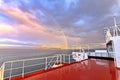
115, 28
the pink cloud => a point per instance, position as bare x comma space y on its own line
22, 17
7, 29
29, 29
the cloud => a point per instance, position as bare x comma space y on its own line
24, 18
39, 21
29, 29
115, 9
7, 30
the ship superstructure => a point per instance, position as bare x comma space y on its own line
113, 42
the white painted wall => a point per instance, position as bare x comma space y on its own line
116, 47
101, 51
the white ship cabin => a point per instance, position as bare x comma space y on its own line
113, 43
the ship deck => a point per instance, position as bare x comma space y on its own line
91, 69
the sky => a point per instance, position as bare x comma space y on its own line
55, 23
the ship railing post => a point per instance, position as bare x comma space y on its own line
23, 69
69, 59
2, 71
46, 63
60, 59
57, 59
64, 58
10, 70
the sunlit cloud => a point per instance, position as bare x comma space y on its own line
37, 23
6, 29
1, 1
22, 17
16, 46
29, 30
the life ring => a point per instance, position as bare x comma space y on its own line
74, 56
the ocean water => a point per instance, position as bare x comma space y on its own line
18, 54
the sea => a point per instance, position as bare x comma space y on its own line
18, 54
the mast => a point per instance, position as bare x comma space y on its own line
115, 28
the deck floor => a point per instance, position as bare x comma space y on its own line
91, 69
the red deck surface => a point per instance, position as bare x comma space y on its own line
92, 69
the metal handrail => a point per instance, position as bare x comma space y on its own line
50, 62
26, 59
102, 54
44, 65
